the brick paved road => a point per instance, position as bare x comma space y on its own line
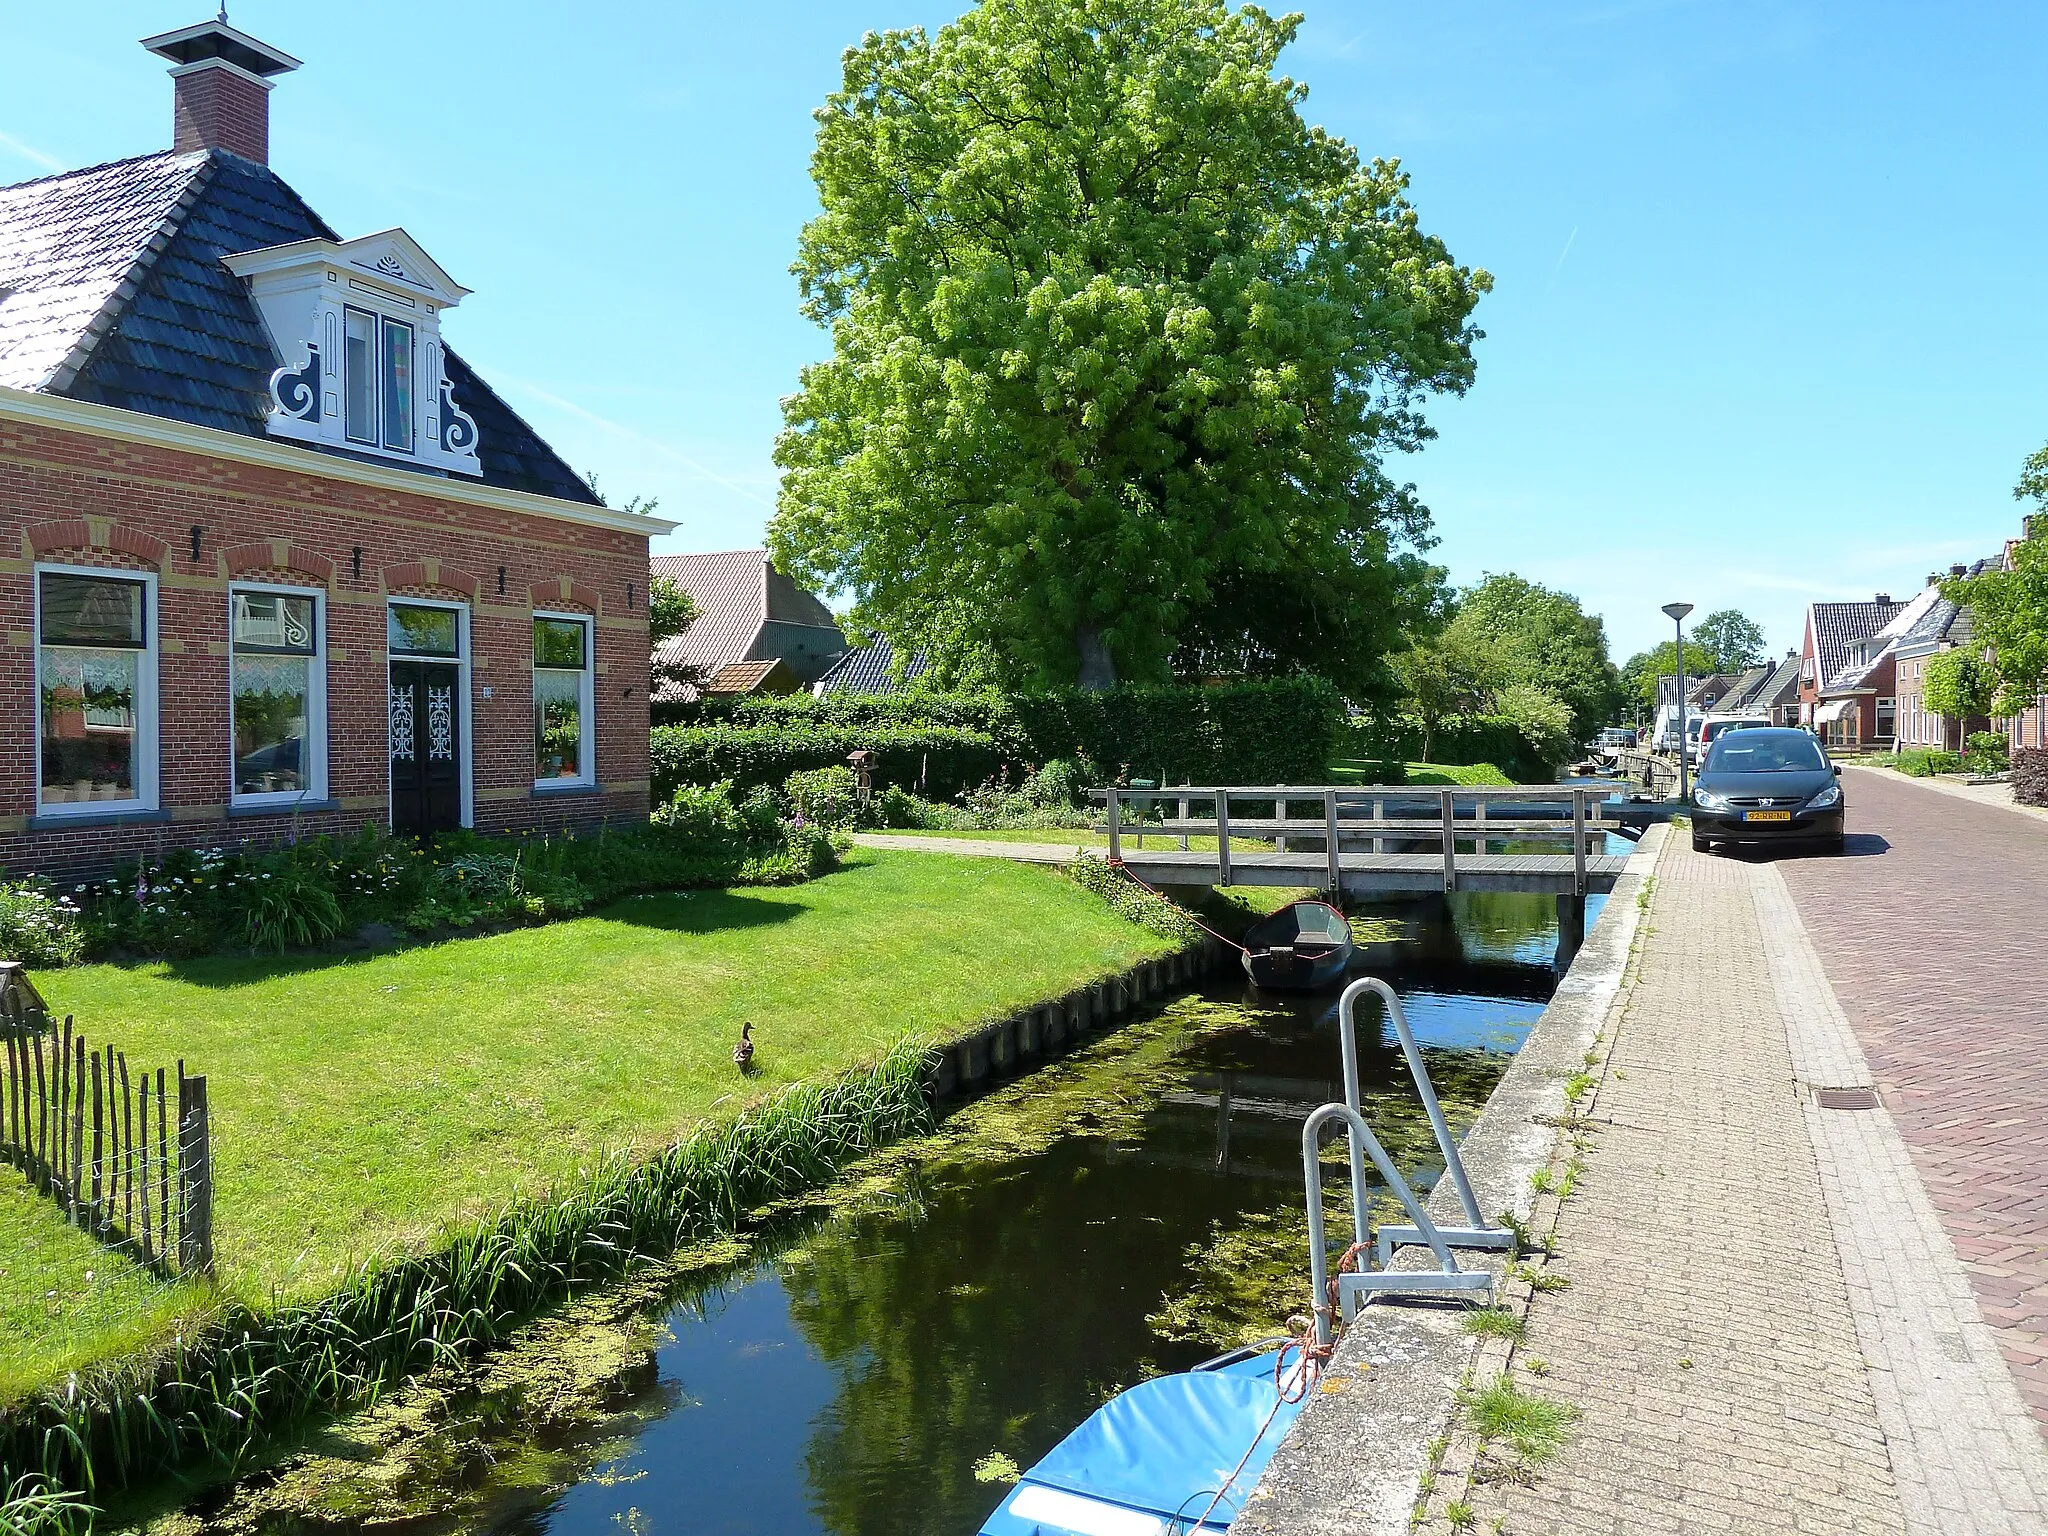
1932, 940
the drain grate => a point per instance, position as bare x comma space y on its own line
1846, 1098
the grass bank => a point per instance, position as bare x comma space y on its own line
368, 1107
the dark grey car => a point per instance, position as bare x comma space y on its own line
1767, 785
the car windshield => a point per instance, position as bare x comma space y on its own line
1752, 752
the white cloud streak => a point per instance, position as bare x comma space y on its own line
652, 444
30, 153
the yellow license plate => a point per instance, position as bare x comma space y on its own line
1766, 815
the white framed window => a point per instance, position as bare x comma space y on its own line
564, 701
277, 688
377, 380
359, 374
96, 690
394, 385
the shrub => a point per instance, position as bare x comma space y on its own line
2030, 776
1460, 740
946, 758
900, 808
39, 927
1131, 900
1986, 752
1545, 724
824, 797
1270, 732
1925, 762
286, 907
196, 902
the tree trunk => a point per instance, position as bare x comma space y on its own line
1098, 666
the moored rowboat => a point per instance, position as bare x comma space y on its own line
1301, 947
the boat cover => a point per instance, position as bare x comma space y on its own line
1158, 1450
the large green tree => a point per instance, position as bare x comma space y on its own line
1120, 346
1640, 672
2010, 607
1544, 639
1731, 639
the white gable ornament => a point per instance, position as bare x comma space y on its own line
304, 291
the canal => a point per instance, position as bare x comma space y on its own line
870, 1362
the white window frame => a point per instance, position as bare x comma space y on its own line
465, 758
146, 712
587, 778
316, 703
348, 380
385, 325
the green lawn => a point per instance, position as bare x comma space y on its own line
364, 1103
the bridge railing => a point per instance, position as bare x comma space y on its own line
1455, 813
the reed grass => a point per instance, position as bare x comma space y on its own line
212, 1398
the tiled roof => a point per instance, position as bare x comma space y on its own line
737, 592
1746, 683
748, 677
870, 669
120, 298
1781, 687
1837, 626
68, 244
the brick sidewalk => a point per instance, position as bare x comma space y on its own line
1707, 1338
1933, 943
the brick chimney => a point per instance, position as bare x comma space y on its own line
1884, 597
222, 82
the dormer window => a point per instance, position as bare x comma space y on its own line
377, 373
358, 323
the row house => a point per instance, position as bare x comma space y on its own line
273, 557
1845, 692
1947, 627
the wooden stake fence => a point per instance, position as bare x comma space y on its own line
100, 1142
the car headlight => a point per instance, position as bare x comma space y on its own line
1830, 796
1707, 800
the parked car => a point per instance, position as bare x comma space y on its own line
1714, 726
1767, 784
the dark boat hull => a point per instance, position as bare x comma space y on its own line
1280, 971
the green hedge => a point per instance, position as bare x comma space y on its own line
1462, 739
948, 759
1279, 732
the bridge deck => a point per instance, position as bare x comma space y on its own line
1553, 873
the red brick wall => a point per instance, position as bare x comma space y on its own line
79, 499
218, 109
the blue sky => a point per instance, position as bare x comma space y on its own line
1766, 328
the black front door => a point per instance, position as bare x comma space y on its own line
426, 750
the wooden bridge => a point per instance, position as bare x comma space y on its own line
1374, 840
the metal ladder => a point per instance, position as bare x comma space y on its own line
1354, 1287
1476, 1234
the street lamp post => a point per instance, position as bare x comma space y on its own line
1676, 612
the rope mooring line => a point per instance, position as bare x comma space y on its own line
1125, 870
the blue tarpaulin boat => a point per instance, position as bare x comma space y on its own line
1150, 1461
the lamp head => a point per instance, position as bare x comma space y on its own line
1677, 610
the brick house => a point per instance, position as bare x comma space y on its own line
749, 616
1844, 694
272, 557
1948, 627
